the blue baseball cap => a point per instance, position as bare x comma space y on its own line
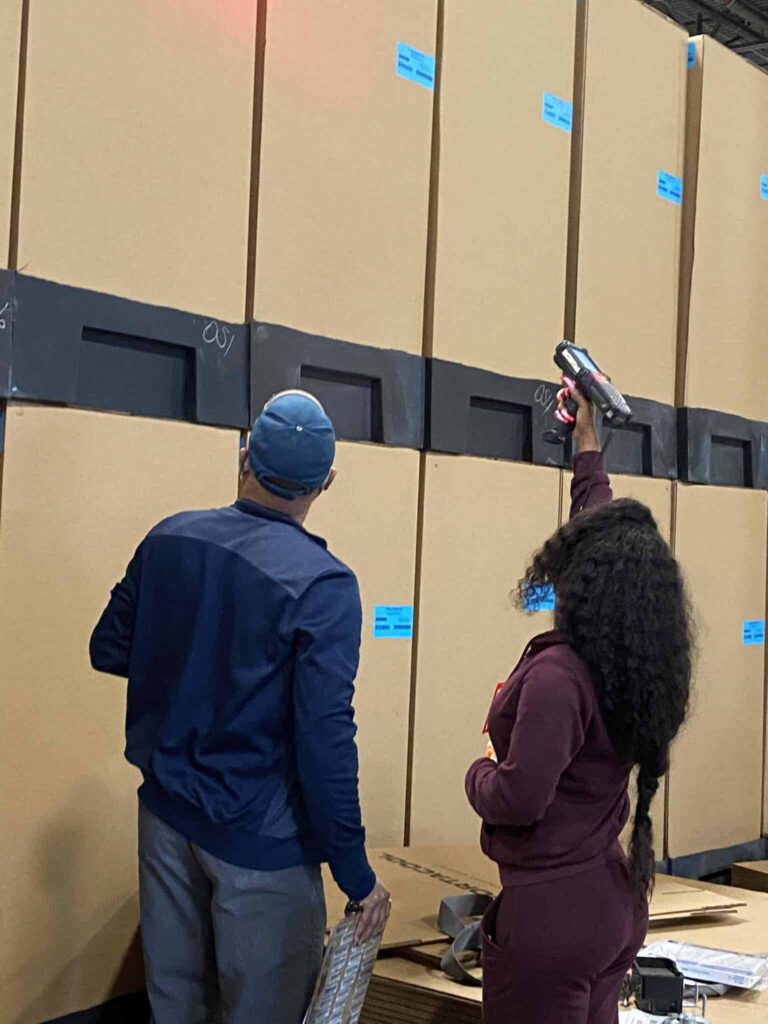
292, 445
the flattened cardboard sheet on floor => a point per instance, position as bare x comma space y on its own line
420, 877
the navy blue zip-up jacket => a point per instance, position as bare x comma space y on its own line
239, 634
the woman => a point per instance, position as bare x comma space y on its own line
606, 691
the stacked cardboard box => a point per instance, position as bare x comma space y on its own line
343, 191
723, 355
716, 778
80, 490
137, 150
369, 519
10, 31
626, 204
503, 171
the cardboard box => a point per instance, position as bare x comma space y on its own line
80, 489
626, 212
657, 495
369, 519
723, 356
751, 876
10, 31
716, 778
343, 193
502, 200
482, 522
137, 150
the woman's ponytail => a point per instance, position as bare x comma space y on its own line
641, 853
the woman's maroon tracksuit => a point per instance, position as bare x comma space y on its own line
565, 929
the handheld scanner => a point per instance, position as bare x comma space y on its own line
577, 364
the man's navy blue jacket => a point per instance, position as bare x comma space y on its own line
239, 634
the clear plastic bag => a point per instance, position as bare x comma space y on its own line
718, 966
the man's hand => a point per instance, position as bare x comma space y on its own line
584, 432
374, 915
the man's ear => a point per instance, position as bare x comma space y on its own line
244, 467
329, 481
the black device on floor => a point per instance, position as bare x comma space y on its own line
577, 364
657, 986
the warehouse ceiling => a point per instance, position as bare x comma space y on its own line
741, 25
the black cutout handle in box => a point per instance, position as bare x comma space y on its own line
722, 449
477, 412
647, 445
83, 348
371, 394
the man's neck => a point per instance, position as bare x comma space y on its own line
298, 509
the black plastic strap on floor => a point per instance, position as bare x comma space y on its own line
722, 449
371, 394
75, 347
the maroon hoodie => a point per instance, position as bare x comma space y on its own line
557, 801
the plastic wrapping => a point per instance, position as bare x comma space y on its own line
718, 966
345, 976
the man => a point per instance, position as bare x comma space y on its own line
239, 634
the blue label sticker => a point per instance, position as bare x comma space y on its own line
669, 187
764, 186
691, 55
416, 66
393, 621
540, 599
557, 112
753, 632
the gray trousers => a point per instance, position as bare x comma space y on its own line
225, 945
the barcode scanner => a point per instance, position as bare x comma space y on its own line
577, 364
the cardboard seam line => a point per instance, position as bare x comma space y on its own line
411, 747
430, 272
260, 59
21, 96
575, 176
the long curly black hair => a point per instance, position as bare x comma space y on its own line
622, 606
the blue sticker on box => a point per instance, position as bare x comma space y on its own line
540, 598
393, 621
764, 186
691, 55
753, 633
416, 66
669, 187
557, 112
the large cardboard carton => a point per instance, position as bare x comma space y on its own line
343, 194
716, 778
723, 355
482, 522
502, 201
80, 490
369, 519
626, 214
137, 150
10, 31
657, 495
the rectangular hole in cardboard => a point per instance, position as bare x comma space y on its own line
500, 430
731, 462
353, 401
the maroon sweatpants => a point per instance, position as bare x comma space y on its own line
558, 951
